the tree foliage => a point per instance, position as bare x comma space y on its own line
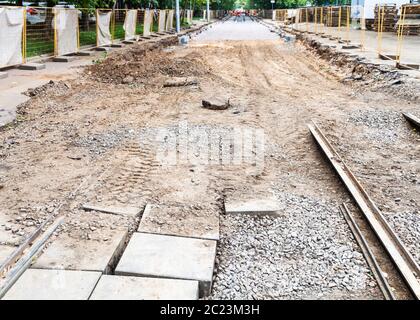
194, 4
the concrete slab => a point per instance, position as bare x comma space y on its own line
3, 75
184, 221
139, 288
124, 211
161, 256
83, 53
350, 46
267, 206
32, 66
37, 284
87, 255
64, 59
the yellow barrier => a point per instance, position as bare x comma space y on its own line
39, 30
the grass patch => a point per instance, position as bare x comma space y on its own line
87, 38
36, 47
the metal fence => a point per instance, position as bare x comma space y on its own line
390, 32
38, 37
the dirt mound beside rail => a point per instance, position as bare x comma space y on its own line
363, 75
143, 62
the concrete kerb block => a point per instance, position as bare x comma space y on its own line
83, 53
102, 49
117, 45
32, 66
267, 206
63, 59
159, 256
350, 46
3, 75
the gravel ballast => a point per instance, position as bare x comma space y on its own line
306, 253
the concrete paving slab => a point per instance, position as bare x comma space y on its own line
184, 221
32, 66
36, 284
87, 255
162, 256
124, 211
3, 75
267, 206
64, 59
140, 288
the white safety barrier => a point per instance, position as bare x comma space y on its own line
162, 20
190, 16
170, 20
130, 24
104, 37
291, 13
148, 22
11, 30
66, 25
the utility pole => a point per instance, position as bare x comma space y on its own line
178, 21
208, 10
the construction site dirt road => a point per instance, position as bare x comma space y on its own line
131, 130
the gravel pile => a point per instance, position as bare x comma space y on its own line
141, 62
51, 88
98, 144
379, 119
387, 126
367, 76
307, 252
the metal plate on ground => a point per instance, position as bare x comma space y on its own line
140, 288
162, 256
37, 284
76, 254
185, 221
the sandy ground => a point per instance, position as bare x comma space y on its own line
109, 139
